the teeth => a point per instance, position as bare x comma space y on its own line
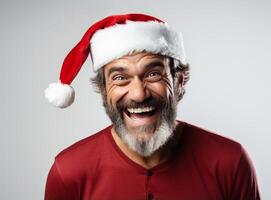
140, 110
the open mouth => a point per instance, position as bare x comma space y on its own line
141, 112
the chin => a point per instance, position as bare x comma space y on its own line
146, 143
144, 132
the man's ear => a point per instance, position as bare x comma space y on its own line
99, 88
179, 84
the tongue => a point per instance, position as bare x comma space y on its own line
140, 115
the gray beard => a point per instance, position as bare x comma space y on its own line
161, 131
146, 147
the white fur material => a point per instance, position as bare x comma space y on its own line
123, 39
60, 95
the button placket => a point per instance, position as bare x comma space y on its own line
150, 195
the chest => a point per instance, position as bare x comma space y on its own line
171, 183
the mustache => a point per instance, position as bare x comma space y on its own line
149, 102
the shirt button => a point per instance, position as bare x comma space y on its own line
149, 173
150, 196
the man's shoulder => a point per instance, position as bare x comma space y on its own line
220, 159
86, 146
81, 159
209, 142
219, 154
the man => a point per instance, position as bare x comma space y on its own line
146, 153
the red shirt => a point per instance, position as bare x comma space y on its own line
205, 166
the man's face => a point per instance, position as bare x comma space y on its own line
140, 100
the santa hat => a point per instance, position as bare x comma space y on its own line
109, 39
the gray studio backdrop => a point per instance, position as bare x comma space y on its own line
228, 47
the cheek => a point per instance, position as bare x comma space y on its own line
115, 94
163, 88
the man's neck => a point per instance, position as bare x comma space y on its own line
156, 158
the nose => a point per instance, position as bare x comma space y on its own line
138, 90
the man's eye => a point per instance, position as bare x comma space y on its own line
118, 78
152, 74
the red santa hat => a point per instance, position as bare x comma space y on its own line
109, 39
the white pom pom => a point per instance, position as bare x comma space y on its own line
60, 95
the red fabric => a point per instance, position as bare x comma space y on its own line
205, 166
78, 55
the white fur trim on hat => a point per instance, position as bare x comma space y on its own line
122, 39
60, 95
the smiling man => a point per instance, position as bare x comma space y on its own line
141, 72
138, 95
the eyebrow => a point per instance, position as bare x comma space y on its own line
147, 67
114, 69
157, 63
